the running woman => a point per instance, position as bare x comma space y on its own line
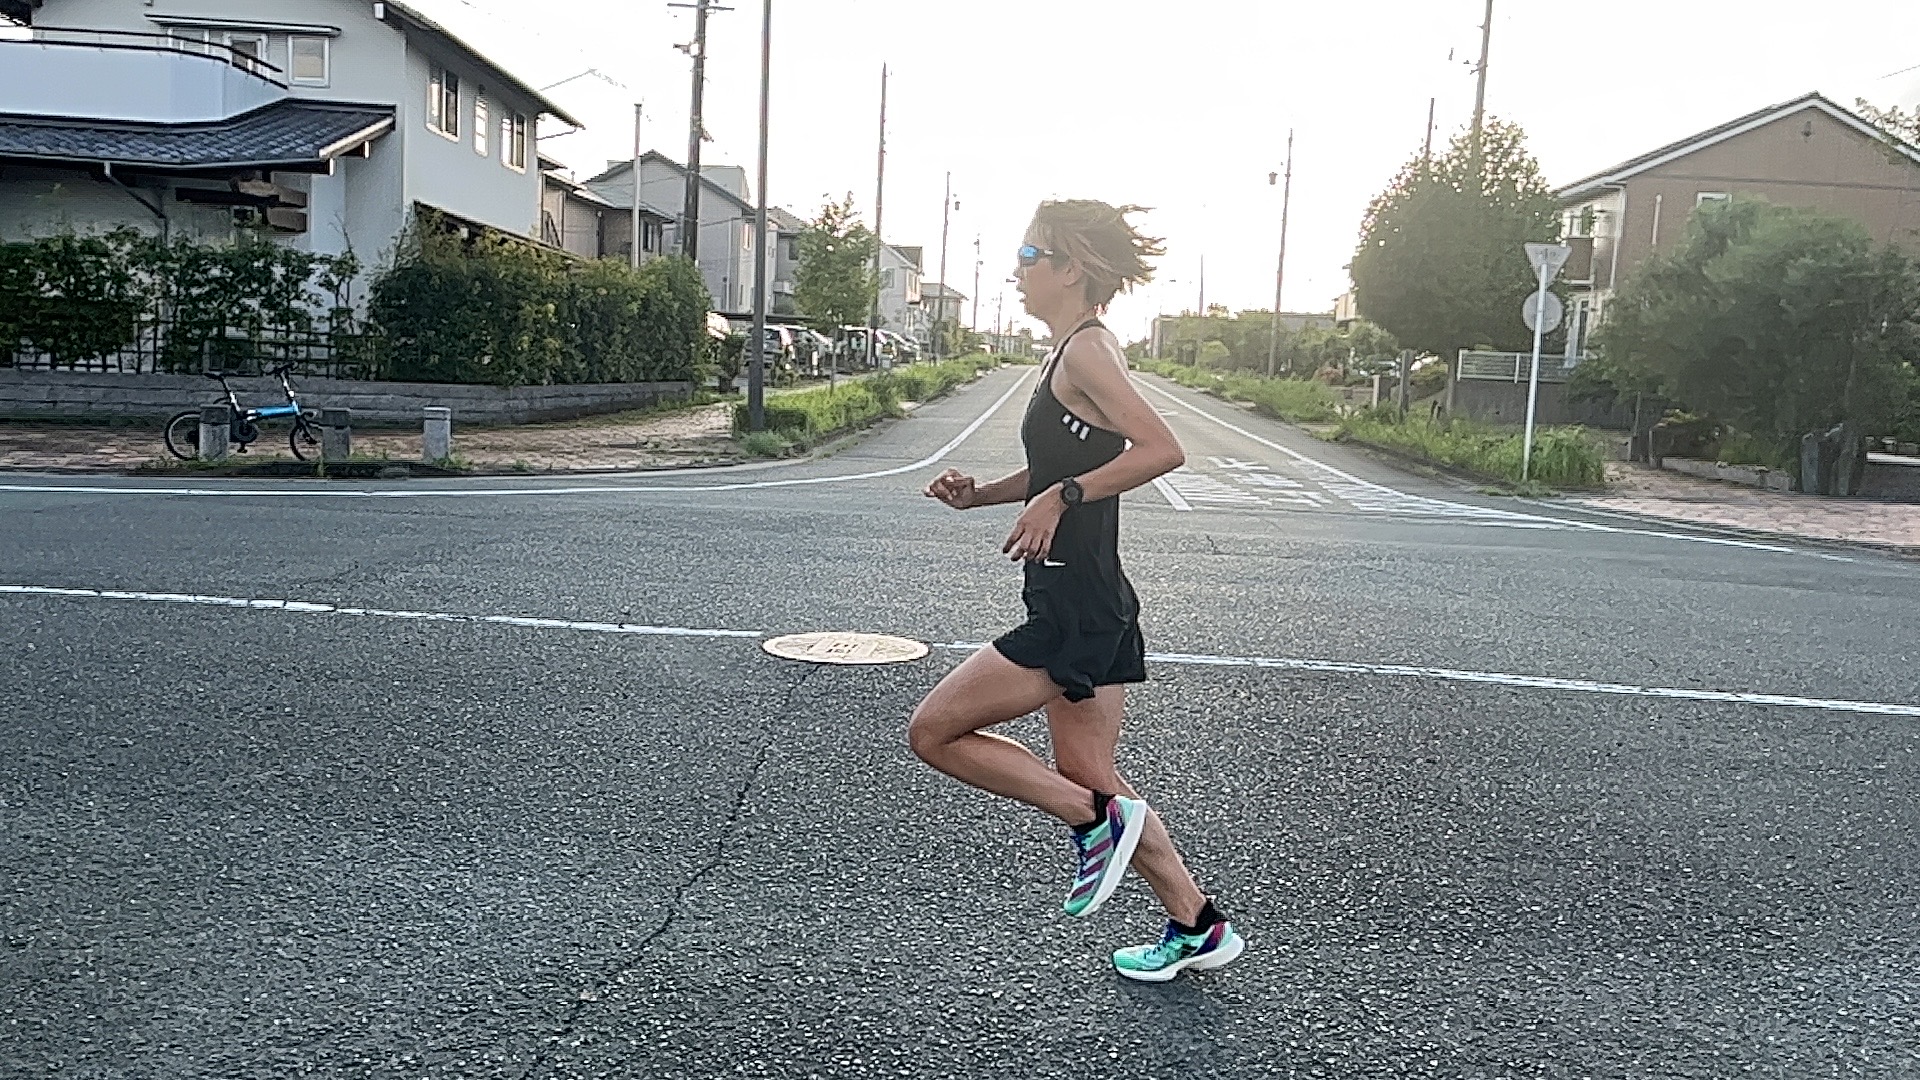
1089, 436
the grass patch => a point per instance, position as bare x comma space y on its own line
765, 444
806, 416
1562, 456
1299, 401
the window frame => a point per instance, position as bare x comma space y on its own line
443, 82
1702, 198
513, 140
482, 125
232, 38
325, 78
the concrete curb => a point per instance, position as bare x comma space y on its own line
1734, 532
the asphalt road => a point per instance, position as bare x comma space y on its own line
1475, 777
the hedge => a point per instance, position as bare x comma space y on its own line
1297, 400
499, 310
812, 414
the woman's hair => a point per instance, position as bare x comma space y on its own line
1111, 252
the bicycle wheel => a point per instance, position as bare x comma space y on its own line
183, 435
304, 439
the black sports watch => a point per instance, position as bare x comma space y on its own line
1071, 492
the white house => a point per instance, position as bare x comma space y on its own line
329, 122
726, 221
900, 309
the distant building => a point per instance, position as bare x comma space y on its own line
726, 220
1171, 329
942, 304
900, 306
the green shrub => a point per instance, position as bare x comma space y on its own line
1565, 456
1297, 400
492, 309
808, 415
765, 444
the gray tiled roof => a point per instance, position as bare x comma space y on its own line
285, 134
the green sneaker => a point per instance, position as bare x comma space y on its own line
1105, 852
1216, 946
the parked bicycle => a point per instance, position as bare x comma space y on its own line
183, 429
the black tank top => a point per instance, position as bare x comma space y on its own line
1083, 568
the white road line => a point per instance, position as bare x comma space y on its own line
309, 608
1173, 497
1489, 516
1283, 663
323, 490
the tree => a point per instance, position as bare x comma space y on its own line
1895, 122
834, 284
1780, 321
1440, 264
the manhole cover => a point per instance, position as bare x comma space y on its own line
844, 648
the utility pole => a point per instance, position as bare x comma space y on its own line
879, 204
974, 323
634, 175
1280, 271
1480, 90
1203, 293
696, 129
757, 375
939, 305
1426, 156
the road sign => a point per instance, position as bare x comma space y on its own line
1530, 310
1552, 256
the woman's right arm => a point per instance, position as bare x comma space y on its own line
961, 492
1007, 489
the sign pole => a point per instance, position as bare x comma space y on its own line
1533, 378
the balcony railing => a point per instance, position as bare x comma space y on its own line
135, 41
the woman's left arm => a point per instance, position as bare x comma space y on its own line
1100, 372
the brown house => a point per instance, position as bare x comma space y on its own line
1806, 152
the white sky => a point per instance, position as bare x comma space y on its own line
1182, 106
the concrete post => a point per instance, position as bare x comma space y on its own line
215, 432
336, 434
437, 440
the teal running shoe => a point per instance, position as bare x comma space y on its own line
1216, 946
1105, 852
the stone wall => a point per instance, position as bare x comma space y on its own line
1506, 403
30, 394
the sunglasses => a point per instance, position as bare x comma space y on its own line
1031, 256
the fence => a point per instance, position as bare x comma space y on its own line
1513, 367
160, 347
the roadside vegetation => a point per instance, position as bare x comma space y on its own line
1296, 400
806, 417
1562, 456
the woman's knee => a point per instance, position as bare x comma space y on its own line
925, 734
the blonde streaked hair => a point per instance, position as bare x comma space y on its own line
1112, 253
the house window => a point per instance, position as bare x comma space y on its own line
249, 45
307, 59
480, 125
443, 103
513, 141
1710, 196
886, 279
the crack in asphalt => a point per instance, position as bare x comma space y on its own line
595, 992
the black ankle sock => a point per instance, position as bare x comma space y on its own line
1100, 801
1209, 915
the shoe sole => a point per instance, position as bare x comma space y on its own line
1227, 953
1122, 858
